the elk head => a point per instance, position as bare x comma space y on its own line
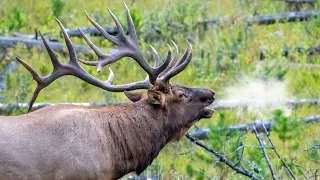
186, 102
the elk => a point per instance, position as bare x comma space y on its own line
76, 142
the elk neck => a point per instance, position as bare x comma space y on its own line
136, 133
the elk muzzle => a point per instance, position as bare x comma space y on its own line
206, 98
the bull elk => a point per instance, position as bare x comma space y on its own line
75, 142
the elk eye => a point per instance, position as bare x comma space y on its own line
182, 96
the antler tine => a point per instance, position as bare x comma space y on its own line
172, 62
176, 54
121, 33
71, 50
53, 57
96, 50
93, 47
36, 77
108, 36
161, 68
34, 74
155, 57
111, 77
180, 65
131, 29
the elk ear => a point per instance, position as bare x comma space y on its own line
155, 97
133, 96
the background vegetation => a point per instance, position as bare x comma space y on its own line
227, 59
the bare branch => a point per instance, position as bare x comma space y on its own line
187, 152
268, 19
276, 63
316, 174
298, 167
275, 150
301, 1
264, 153
285, 17
11, 42
222, 158
92, 31
260, 126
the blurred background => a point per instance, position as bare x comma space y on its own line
262, 59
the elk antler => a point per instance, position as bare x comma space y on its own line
127, 47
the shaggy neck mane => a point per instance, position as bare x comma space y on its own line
136, 133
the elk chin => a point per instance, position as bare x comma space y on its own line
207, 112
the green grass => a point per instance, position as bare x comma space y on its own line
211, 67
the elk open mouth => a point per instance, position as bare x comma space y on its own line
207, 112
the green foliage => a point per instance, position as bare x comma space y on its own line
9, 80
189, 170
44, 70
255, 167
313, 153
23, 82
287, 128
205, 158
218, 134
23, 90
17, 19
57, 7
177, 20
138, 20
256, 161
200, 176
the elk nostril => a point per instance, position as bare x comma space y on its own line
203, 99
212, 96
211, 99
